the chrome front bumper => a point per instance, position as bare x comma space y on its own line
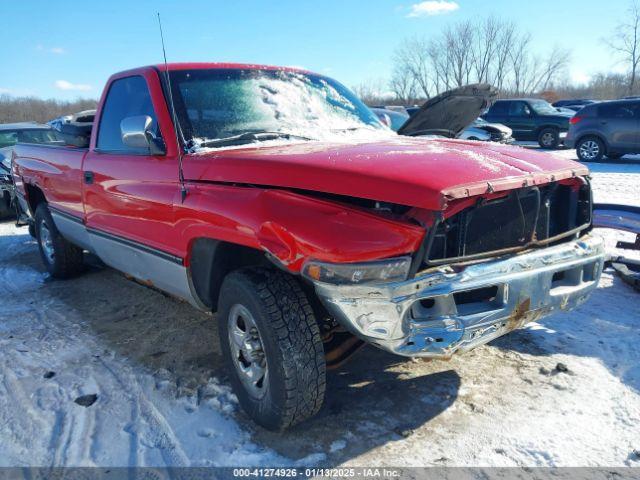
458, 308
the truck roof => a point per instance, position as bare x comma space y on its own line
214, 65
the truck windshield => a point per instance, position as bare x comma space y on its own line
215, 104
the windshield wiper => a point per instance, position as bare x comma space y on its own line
248, 137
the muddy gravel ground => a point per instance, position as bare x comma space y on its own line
99, 370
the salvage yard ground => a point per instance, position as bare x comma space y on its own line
101, 371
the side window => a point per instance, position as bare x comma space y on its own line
127, 97
8, 138
519, 109
616, 110
498, 108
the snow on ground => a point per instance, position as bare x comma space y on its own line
162, 398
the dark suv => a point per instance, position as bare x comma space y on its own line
531, 119
606, 128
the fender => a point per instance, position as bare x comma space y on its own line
285, 224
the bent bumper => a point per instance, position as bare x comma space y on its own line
448, 309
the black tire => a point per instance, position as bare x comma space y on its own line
5, 205
590, 149
32, 229
293, 389
64, 259
549, 138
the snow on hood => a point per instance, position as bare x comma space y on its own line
409, 171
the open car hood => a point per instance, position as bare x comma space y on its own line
450, 112
417, 172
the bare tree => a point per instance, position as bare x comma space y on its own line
625, 43
552, 67
488, 50
371, 92
458, 44
403, 85
412, 57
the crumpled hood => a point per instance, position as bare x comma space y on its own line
416, 172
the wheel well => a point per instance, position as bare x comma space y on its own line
546, 127
211, 260
34, 197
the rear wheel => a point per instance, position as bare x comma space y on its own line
590, 149
62, 258
549, 138
272, 347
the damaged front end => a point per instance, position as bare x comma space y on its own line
486, 267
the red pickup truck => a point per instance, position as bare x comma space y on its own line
275, 198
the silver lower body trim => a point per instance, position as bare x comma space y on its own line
150, 267
448, 309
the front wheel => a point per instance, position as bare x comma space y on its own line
590, 149
62, 258
272, 347
549, 138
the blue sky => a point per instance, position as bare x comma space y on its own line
65, 49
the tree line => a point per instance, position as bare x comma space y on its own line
495, 51
32, 109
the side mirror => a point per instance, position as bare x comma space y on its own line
136, 133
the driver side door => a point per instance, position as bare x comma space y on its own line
129, 193
522, 120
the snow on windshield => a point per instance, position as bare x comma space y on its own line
223, 105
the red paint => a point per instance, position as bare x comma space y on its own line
138, 197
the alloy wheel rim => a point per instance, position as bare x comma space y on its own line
589, 150
46, 242
247, 351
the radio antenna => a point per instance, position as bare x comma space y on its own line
183, 188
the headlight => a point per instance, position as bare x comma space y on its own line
390, 270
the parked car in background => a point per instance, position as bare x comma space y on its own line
75, 129
395, 108
609, 129
443, 113
395, 120
573, 108
473, 133
568, 110
573, 102
391, 118
531, 119
10, 135
305, 228
497, 132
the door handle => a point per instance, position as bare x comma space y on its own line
88, 178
